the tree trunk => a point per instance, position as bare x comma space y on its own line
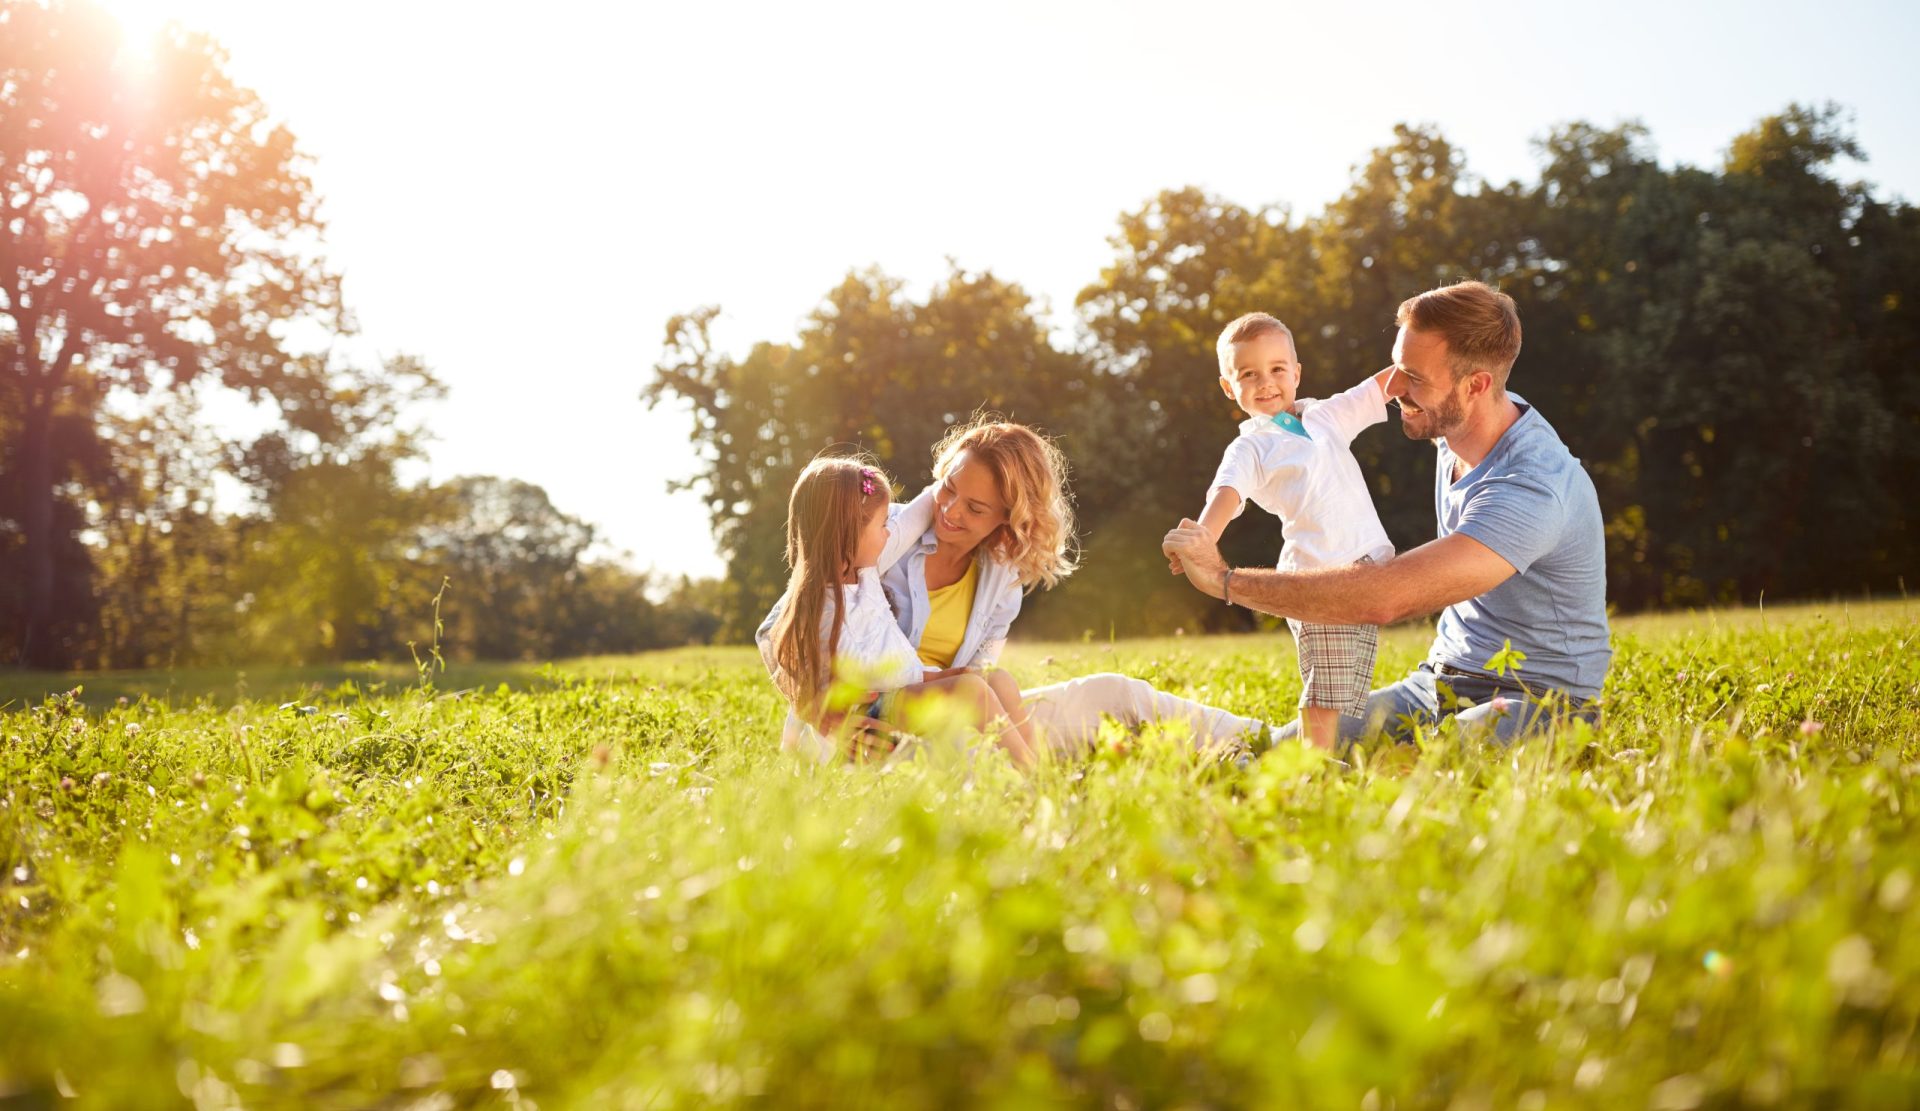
37, 648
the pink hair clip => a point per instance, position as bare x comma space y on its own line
867, 484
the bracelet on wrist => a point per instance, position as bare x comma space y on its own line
1226, 587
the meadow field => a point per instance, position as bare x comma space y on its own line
597, 883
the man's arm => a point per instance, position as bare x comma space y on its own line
1424, 580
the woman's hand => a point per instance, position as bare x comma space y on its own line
948, 673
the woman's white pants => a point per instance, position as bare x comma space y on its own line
1069, 714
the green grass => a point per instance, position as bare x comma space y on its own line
599, 885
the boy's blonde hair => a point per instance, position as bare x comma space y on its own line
1031, 473
1251, 326
831, 501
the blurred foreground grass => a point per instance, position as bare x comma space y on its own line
598, 884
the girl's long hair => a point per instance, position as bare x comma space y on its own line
831, 501
1037, 540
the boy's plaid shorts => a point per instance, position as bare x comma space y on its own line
1336, 665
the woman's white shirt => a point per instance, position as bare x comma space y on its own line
996, 601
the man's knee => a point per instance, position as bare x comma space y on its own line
1505, 720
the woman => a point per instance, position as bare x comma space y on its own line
1002, 525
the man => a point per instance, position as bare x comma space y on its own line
1520, 557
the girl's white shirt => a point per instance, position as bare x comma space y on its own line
873, 650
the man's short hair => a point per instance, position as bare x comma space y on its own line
1479, 323
1251, 326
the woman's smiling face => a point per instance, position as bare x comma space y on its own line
968, 507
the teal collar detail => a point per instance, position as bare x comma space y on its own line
1290, 423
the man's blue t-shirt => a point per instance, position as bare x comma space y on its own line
1529, 501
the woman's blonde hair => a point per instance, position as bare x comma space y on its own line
1037, 540
830, 504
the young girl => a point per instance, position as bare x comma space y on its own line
834, 623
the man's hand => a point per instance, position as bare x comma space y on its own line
1191, 551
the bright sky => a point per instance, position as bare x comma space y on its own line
522, 194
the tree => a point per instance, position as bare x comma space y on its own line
512, 560
1728, 350
159, 228
164, 557
872, 369
1185, 265
1736, 332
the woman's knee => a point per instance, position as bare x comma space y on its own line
975, 690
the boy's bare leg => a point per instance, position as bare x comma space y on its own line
1320, 726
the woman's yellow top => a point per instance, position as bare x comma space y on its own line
947, 613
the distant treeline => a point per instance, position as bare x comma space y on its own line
1734, 353
333, 557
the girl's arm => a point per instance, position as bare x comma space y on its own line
905, 526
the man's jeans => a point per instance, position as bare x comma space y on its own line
1502, 710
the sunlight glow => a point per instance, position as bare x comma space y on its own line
141, 20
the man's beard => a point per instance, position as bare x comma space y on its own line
1432, 424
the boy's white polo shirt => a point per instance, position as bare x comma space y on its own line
1312, 483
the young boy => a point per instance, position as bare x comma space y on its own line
1300, 469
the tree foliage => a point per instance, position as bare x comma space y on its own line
871, 366
160, 227
1728, 350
